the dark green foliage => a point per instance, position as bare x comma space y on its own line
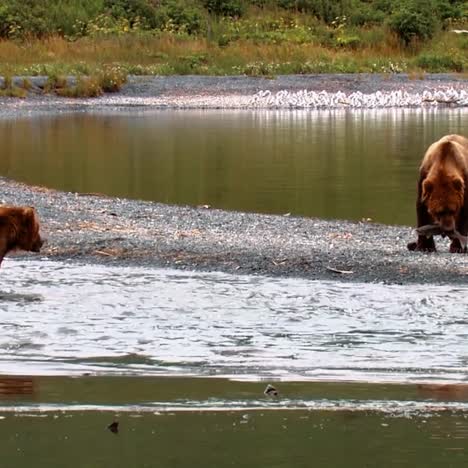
142, 10
366, 15
180, 15
232, 8
414, 20
451, 10
18, 18
325, 10
411, 20
44, 17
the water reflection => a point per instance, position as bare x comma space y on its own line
330, 164
16, 386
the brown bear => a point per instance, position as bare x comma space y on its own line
443, 192
19, 229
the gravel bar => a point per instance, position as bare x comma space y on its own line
114, 231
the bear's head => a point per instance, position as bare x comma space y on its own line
28, 237
444, 199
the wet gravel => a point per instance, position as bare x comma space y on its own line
107, 230
92, 228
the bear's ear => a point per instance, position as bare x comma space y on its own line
458, 185
427, 188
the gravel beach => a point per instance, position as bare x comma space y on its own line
91, 228
94, 228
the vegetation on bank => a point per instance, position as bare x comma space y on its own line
101, 39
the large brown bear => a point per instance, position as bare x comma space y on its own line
19, 229
443, 192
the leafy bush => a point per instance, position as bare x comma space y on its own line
413, 20
133, 10
180, 16
18, 19
111, 79
44, 17
327, 11
62, 16
451, 9
366, 15
232, 8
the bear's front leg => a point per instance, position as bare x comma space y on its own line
423, 244
456, 247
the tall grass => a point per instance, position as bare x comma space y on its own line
262, 43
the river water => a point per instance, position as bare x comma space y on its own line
367, 374
328, 164
184, 358
60, 318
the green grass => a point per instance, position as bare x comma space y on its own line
263, 43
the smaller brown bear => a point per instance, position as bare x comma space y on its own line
19, 230
443, 193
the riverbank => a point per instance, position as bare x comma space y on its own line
107, 230
319, 91
98, 229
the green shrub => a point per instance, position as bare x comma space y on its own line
233, 8
44, 17
366, 15
111, 79
327, 11
451, 9
141, 11
19, 19
63, 15
180, 16
414, 20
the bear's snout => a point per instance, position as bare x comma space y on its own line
38, 243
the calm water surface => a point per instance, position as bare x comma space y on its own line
330, 164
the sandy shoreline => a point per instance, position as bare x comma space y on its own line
118, 231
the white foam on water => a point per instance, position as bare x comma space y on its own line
59, 318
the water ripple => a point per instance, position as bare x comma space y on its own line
108, 320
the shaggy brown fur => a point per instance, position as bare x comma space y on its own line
19, 229
443, 191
